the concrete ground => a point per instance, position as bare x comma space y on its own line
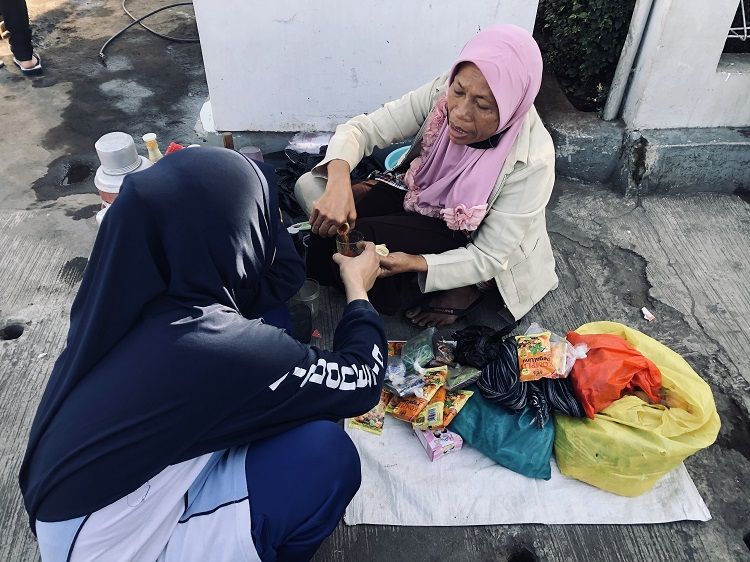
685, 258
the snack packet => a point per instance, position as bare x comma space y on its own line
454, 401
432, 415
408, 408
373, 421
417, 352
444, 353
534, 357
460, 377
398, 381
395, 347
564, 354
392, 404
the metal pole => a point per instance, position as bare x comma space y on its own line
621, 80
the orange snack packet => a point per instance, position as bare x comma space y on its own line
535, 357
432, 415
454, 401
392, 404
408, 408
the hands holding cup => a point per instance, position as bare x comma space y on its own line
362, 263
359, 273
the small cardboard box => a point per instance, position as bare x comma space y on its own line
439, 442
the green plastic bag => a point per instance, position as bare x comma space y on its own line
631, 444
510, 439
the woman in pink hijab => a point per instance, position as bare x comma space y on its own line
477, 179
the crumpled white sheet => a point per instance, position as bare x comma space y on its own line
400, 486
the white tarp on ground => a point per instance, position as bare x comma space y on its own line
400, 486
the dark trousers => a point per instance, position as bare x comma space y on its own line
299, 484
381, 219
16, 17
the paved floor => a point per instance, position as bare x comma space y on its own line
686, 258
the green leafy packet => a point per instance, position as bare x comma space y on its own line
460, 377
418, 351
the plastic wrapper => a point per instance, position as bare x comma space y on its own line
408, 408
417, 352
392, 404
398, 381
564, 354
395, 347
373, 420
444, 353
460, 377
613, 368
454, 401
573, 354
432, 414
534, 357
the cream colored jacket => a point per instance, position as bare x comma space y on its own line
511, 244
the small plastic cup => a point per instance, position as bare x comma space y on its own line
350, 244
252, 152
308, 295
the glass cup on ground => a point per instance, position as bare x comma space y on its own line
308, 295
350, 244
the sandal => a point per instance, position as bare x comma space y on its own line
444, 310
34, 71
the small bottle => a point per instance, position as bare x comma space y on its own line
228, 140
154, 154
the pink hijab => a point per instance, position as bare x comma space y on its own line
455, 181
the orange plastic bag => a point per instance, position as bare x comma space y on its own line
612, 367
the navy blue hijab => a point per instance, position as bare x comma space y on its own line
191, 249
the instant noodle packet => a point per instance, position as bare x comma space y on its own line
408, 407
432, 415
534, 357
454, 401
373, 421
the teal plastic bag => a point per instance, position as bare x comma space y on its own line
512, 440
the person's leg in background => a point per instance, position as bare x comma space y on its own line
299, 483
411, 233
16, 17
307, 190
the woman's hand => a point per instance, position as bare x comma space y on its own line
336, 205
399, 262
359, 274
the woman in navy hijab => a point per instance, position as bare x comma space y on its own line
176, 424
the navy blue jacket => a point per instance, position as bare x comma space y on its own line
164, 359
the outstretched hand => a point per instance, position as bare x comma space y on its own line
399, 262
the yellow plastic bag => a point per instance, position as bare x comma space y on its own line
631, 443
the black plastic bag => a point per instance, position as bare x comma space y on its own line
477, 346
